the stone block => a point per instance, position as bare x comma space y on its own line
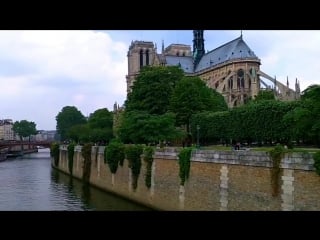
224, 179
224, 198
287, 207
224, 192
287, 178
287, 191
287, 188
287, 198
224, 185
224, 204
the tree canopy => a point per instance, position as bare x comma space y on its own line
97, 129
141, 127
304, 120
152, 89
267, 94
68, 117
101, 118
190, 96
100, 125
24, 128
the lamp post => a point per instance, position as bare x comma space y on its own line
198, 128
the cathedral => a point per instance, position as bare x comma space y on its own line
232, 69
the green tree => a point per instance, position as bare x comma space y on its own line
68, 117
117, 120
311, 101
298, 122
101, 118
152, 89
24, 128
191, 96
214, 126
220, 103
79, 133
100, 124
141, 127
312, 93
303, 120
267, 94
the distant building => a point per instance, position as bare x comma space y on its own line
232, 69
44, 135
6, 132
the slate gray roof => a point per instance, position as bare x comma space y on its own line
234, 49
186, 62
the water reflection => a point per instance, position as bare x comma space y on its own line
93, 198
29, 183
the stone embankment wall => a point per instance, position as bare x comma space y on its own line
219, 180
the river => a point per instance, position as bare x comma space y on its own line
29, 183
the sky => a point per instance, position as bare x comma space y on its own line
45, 70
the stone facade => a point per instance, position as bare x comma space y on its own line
218, 181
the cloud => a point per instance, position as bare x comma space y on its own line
45, 70
288, 53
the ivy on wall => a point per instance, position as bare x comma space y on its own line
184, 164
316, 157
276, 156
55, 153
86, 154
133, 154
114, 155
70, 157
148, 159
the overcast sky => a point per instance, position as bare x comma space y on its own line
43, 71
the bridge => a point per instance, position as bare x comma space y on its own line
13, 145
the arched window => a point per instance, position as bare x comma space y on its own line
235, 103
230, 82
245, 98
240, 79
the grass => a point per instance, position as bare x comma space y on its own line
217, 147
260, 149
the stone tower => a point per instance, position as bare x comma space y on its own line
140, 54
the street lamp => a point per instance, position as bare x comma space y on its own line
198, 128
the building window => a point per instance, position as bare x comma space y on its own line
240, 78
230, 82
141, 58
147, 57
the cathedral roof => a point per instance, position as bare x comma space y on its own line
234, 49
185, 62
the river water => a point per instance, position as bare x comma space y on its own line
29, 183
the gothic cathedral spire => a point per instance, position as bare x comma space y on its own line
198, 46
